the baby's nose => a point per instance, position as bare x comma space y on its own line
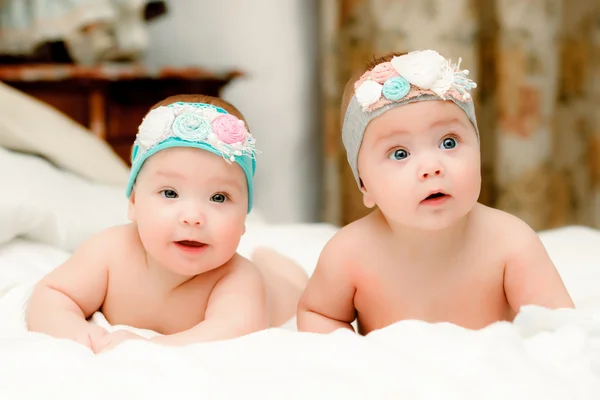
431, 168
191, 221
193, 217
433, 172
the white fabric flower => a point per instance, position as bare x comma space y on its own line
155, 126
208, 113
368, 93
425, 69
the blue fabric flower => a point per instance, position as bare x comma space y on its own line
191, 126
395, 88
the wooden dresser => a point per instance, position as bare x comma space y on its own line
111, 100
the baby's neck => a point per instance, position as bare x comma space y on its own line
166, 281
429, 243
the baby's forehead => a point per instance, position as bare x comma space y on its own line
185, 157
419, 117
191, 163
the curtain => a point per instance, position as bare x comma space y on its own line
537, 65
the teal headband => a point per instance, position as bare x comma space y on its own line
197, 125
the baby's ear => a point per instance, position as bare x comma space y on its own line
131, 206
368, 200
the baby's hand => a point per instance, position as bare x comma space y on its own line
90, 336
113, 339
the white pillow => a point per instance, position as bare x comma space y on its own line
53, 206
31, 126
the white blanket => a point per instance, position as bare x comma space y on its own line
543, 355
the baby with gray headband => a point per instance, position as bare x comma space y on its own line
428, 251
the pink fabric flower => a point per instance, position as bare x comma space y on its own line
382, 72
229, 129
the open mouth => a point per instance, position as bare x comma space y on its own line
435, 198
190, 244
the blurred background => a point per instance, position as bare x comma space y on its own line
284, 63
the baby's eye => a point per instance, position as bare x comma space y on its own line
399, 154
219, 198
448, 143
169, 193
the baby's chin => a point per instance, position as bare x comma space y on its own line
191, 264
431, 221
436, 224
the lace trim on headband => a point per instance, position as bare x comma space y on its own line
411, 75
196, 122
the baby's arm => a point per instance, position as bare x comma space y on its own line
530, 276
236, 307
63, 299
327, 303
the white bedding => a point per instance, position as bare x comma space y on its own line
543, 355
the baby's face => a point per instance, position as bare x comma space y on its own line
190, 208
413, 151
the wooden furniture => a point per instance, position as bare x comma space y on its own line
111, 100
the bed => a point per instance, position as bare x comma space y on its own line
53, 198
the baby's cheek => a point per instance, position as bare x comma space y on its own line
394, 187
231, 230
468, 180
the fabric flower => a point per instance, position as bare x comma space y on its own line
395, 88
155, 126
382, 72
368, 93
229, 129
191, 126
425, 69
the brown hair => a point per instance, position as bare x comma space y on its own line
201, 98
349, 88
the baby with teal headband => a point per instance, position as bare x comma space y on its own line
174, 270
428, 250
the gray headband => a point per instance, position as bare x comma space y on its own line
356, 121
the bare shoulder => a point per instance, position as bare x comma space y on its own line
239, 282
347, 252
114, 242
242, 265
99, 246
504, 229
530, 276
350, 241
238, 300
123, 236
111, 237
106, 249
240, 269
84, 276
